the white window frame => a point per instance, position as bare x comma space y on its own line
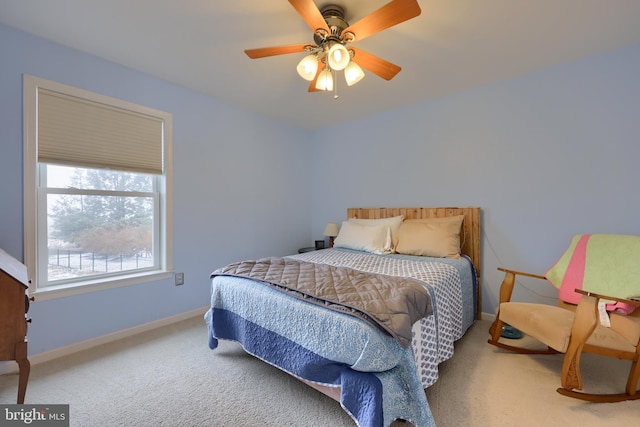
35, 232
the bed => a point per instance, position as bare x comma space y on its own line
371, 363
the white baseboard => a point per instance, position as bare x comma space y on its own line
12, 367
488, 316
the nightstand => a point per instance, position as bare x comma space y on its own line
308, 249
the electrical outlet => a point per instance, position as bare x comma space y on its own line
179, 279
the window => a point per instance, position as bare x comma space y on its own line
97, 190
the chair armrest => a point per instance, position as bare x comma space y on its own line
610, 298
520, 273
506, 288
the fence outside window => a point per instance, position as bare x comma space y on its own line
71, 263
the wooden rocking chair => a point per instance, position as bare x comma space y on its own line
574, 329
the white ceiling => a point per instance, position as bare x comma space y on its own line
452, 46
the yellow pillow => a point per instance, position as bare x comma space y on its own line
433, 237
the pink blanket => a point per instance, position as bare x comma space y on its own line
607, 264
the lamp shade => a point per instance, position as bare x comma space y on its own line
338, 57
353, 73
331, 230
308, 67
325, 80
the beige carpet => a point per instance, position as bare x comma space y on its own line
169, 377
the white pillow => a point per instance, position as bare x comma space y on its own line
374, 238
393, 223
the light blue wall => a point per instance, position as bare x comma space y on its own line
545, 155
240, 189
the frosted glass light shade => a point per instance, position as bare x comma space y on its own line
308, 67
325, 80
338, 57
353, 73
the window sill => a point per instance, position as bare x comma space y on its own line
60, 291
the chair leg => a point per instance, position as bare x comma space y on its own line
585, 322
631, 392
506, 289
634, 375
496, 328
24, 367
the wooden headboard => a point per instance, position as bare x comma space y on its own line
469, 237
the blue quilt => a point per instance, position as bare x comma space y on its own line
379, 380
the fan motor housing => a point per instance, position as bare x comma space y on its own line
334, 17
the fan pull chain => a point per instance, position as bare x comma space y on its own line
335, 85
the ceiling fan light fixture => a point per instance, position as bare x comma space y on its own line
353, 73
308, 67
325, 80
332, 33
338, 56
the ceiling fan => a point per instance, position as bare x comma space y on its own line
333, 37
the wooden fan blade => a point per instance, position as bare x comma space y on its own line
391, 14
308, 10
273, 51
377, 66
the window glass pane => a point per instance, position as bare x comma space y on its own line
97, 179
92, 235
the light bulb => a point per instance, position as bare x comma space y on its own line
338, 57
353, 73
308, 67
325, 80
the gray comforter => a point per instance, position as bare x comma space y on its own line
392, 304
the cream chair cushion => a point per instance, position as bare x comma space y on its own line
552, 326
548, 324
627, 326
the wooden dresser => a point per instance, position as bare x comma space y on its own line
14, 304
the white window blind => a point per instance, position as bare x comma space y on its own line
79, 132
